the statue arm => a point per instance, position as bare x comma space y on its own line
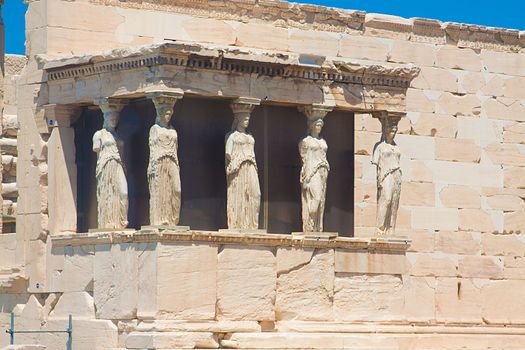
375, 156
302, 150
96, 143
229, 149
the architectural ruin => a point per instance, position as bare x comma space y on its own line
108, 241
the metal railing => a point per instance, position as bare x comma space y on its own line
69, 331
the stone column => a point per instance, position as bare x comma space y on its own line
244, 192
315, 168
163, 168
387, 158
62, 168
112, 185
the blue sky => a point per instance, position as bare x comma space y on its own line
503, 13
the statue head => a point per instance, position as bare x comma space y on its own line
388, 127
111, 109
241, 122
164, 105
315, 126
390, 133
164, 114
110, 120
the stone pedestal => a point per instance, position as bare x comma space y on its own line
244, 231
174, 228
320, 236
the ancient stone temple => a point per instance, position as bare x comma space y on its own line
260, 174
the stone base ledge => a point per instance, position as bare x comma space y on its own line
346, 327
191, 326
224, 237
374, 340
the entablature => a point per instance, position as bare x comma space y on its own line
230, 72
235, 60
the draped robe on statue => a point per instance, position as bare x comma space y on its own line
244, 194
164, 177
313, 178
112, 187
387, 158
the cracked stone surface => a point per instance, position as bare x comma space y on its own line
186, 278
305, 288
116, 282
365, 298
246, 283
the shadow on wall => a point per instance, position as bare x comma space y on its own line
201, 125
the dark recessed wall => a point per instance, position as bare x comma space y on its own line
89, 122
201, 125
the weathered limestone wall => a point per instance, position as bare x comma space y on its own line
205, 290
14, 64
462, 137
463, 171
1, 79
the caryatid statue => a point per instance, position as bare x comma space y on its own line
244, 193
315, 168
112, 187
387, 158
163, 167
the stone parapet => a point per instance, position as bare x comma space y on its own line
305, 16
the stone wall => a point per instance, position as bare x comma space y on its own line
207, 290
1, 76
14, 64
462, 139
463, 170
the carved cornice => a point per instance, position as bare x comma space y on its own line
244, 106
315, 111
110, 107
232, 60
305, 16
428, 31
214, 237
379, 74
164, 98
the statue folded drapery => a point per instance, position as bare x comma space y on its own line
244, 194
313, 178
112, 186
387, 158
164, 177
163, 168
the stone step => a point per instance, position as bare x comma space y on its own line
10, 125
8, 146
9, 164
171, 340
10, 190
25, 347
9, 276
9, 270
191, 326
376, 341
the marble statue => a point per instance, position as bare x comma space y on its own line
244, 193
112, 187
314, 176
163, 168
386, 157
